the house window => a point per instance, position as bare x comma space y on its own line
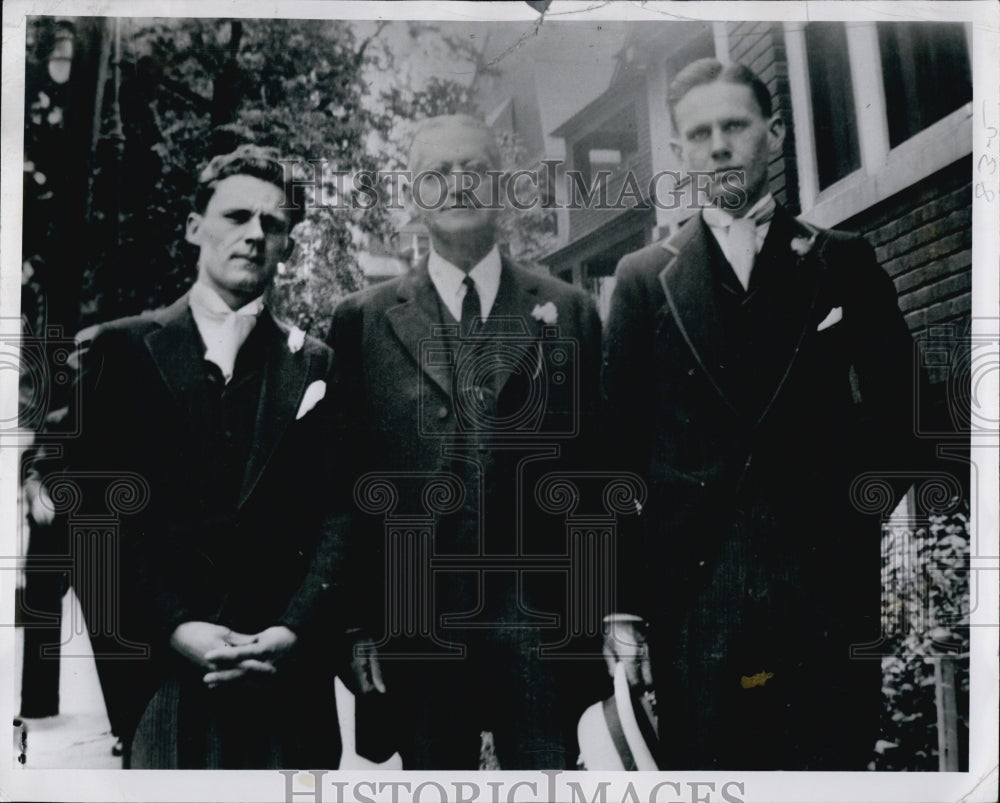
925, 69
877, 107
609, 147
835, 126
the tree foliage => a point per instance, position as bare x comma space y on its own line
193, 88
188, 89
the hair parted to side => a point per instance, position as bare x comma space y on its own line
247, 160
708, 71
426, 128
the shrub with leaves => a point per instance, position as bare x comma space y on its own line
926, 575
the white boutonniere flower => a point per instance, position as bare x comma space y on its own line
315, 392
296, 339
546, 313
803, 245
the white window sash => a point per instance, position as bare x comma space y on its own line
884, 171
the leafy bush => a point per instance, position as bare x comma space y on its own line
926, 582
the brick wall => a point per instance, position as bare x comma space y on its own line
761, 47
923, 238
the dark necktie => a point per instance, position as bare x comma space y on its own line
472, 309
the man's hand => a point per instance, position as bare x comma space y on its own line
197, 640
625, 641
364, 674
257, 656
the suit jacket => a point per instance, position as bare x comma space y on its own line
488, 416
267, 554
750, 418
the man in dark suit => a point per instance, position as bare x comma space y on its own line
473, 377
203, 413
755, 369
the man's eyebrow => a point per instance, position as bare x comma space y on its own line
245, 210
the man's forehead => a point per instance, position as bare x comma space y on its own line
243, 191
456, 140
717, 99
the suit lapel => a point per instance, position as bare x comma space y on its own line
415, 319
283, 386
688, 286
803, 280
509, 324
176, 349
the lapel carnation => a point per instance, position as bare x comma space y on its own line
296, 339
546, 313
803, 245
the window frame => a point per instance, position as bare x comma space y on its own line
884, 171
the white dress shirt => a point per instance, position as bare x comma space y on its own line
448, 278
223, 330
721, 224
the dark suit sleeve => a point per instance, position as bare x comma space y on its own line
891, 380
361, 558
318, 605
625, 409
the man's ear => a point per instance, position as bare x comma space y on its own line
192, 227
776, 133
406, 190
288, 249
678, 149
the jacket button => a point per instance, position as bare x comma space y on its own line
442, 413
301, 553
690, 371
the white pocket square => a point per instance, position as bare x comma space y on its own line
315, 392
834, 315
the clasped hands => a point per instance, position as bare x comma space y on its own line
230, 656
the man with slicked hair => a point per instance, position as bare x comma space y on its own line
755, 368
455, 370
218, 421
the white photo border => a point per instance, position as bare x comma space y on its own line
978, 784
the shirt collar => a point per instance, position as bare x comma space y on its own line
207, 303
718, 217
447, 279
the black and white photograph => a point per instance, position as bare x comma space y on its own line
500, 401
